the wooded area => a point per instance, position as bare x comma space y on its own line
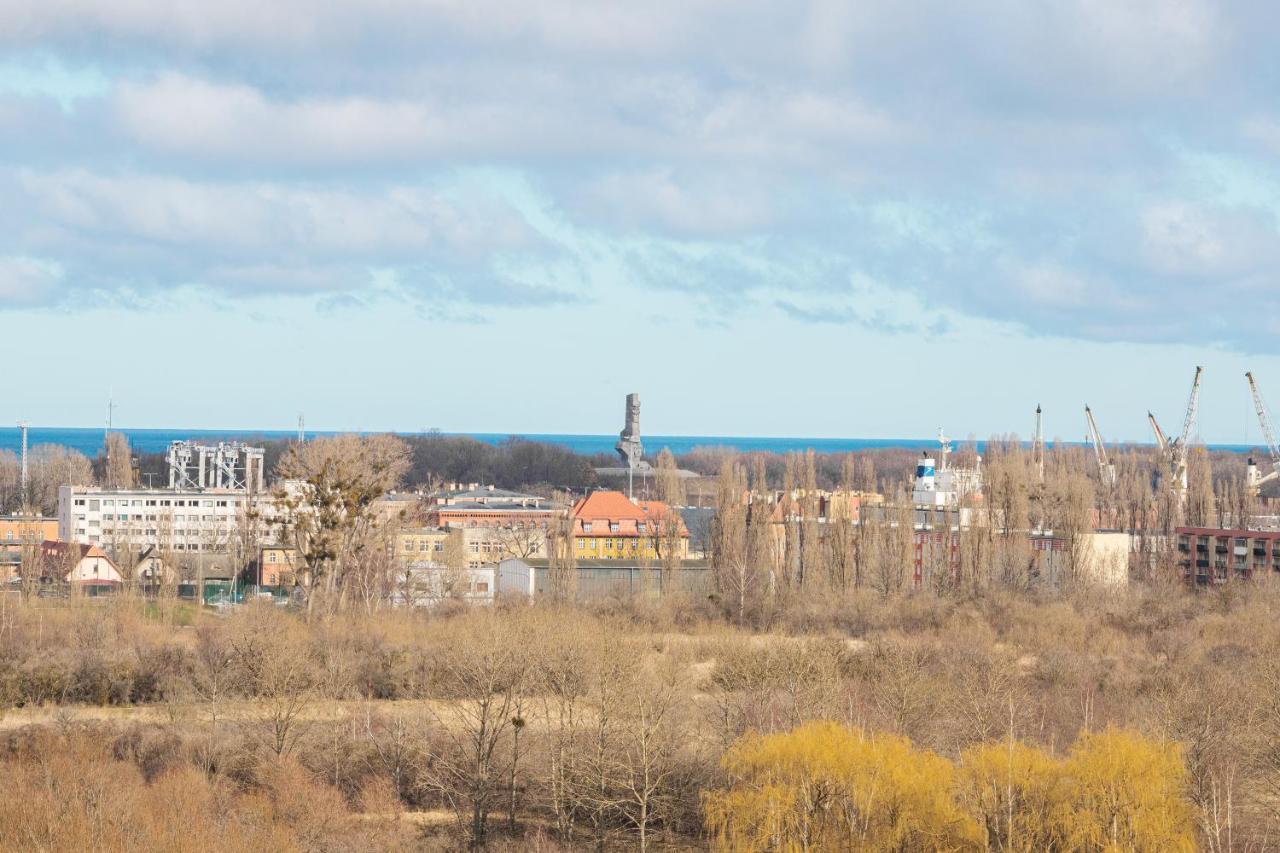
538, 727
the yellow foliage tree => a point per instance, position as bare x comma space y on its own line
1012, 791
1124, 792
826, 787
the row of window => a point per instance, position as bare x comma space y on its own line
608, 544
134, 531
124, 516
614, 527
98, 503
425, 545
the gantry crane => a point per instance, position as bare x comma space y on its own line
1174, 451
1253, 479
1106, 468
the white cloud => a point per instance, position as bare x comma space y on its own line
1210, 241
27, 281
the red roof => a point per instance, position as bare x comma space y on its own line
605, 510
58, 549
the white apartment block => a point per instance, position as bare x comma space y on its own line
200, 520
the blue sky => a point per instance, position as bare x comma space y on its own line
804, 218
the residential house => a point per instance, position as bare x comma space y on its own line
80, 565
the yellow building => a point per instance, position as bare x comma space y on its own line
611, 526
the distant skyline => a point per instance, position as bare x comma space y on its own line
808, 219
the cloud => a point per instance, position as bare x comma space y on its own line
147, 233
999, 160
27, 281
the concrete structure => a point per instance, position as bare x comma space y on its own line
609, 525
1211, 556
601, 579
1102, 557
227, 465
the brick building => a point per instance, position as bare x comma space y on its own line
1210, 556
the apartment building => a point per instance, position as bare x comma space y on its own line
177, 520
1211, 556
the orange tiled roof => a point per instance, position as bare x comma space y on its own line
614, 508
57, 549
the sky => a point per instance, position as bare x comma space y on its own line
822, 218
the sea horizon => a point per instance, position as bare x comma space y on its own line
89, 440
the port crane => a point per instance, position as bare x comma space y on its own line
1106, 468
1173, 451
1253, 479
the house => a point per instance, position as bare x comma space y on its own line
79, 564
153, 569
608, 525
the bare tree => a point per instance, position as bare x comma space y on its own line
670, 486
117, 463
327, 498
564, 561
484, 669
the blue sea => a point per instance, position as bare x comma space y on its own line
89, 441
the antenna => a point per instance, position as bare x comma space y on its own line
22, 425
1037, 446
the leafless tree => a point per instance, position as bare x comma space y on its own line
484, 670
327, 498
